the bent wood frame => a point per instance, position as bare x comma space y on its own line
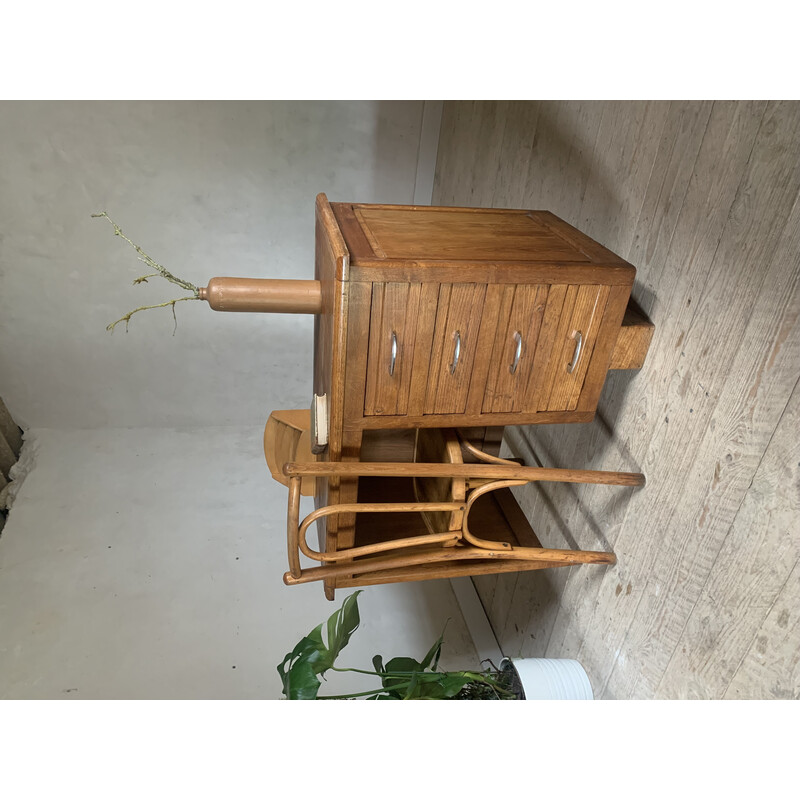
435, 547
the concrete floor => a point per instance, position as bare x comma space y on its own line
148, 563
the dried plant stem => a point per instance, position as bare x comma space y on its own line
126, 319
159, 272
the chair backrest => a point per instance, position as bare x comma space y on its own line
287, 437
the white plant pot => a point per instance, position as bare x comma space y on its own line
552, 679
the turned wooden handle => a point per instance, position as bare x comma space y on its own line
263, 295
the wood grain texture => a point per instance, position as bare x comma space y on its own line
439, 445
330, 261
455, 342
771, 662
633, 341
287, 437
510, 471
729, 636
516, 336
392, 328
702, 198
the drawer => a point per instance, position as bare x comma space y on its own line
392, 339
567, 342
516, 337
454, 346
543, 346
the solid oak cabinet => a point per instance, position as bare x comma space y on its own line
469, 316
459, 318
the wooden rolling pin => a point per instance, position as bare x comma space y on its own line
263, 295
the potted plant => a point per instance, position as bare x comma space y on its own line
550, 678
401, 678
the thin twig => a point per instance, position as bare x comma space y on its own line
165, 273
126, 319
159, 272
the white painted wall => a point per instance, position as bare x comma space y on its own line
144, 552
205, 188
148, 563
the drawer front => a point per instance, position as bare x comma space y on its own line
392, 339
521, 314
468, 348
543, 345
454, 345
569, 333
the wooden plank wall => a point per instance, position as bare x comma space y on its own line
702, 197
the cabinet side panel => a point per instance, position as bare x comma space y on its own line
331, 261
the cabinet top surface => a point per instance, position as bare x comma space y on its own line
376, 234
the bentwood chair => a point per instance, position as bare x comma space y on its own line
443, 494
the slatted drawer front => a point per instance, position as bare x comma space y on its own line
392, 338
455, 340
519, 324
519, 348
569, 331
536, 343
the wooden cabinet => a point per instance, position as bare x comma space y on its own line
473, 316
458, 317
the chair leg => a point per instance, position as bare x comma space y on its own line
546, 557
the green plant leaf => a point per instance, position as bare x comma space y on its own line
429, 686
433, 654
311, 657
302, 684
341, 626
403, 664
297, 670
402, 678
453, 682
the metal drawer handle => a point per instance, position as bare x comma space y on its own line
517, 353
578, 347
393, 359
456, 352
